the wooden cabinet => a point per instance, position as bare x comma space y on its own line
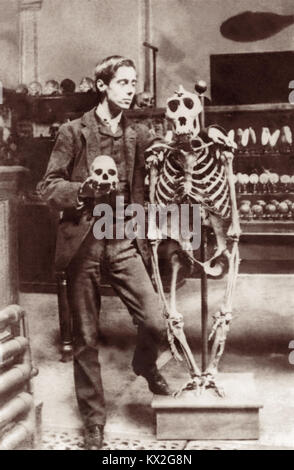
264, 169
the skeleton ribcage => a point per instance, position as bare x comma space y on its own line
209, 184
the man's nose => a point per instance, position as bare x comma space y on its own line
131, 89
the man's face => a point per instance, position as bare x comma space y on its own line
121, 89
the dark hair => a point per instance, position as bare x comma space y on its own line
106, 69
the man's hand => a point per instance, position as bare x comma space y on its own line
91, 189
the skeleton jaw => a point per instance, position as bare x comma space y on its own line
185, 135
105, 187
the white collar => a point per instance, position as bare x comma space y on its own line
111, 122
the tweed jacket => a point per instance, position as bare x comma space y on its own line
76, 147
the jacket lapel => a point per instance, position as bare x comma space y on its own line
91, 133
130, 149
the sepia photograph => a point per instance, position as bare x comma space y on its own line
146, 227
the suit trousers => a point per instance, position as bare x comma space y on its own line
128, 277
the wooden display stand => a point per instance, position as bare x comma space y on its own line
208, 416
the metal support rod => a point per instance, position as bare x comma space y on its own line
154, 79
154, 52
204, 302
200, 88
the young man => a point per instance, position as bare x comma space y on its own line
67, 187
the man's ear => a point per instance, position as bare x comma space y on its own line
100, 85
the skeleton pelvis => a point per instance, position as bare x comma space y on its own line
215, 267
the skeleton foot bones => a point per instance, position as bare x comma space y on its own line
199, 381
195, 167
205, 380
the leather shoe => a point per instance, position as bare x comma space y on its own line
93, 437
156, 383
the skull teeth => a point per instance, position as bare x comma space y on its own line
103, 172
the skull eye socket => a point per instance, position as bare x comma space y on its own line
111, 172
173, 105
98, 172
189, 103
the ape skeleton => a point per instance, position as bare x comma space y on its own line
195, 167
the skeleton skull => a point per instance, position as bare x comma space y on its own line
103, 173
51, 88
145, 99
22, 89
183, 109
35, 89
87, 84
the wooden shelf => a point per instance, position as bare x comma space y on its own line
251, 107
267, 228
252, 153
277, 194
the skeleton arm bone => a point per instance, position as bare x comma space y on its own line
220, 137
153, 176
154, 156
234, 230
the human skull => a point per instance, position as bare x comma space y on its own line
87, 84
51, 88
103, 173
22, 89
145, 99
35, 89
183, 109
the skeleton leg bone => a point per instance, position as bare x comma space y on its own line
221, 325
176, 324
160, 290
155, 268
154, 237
